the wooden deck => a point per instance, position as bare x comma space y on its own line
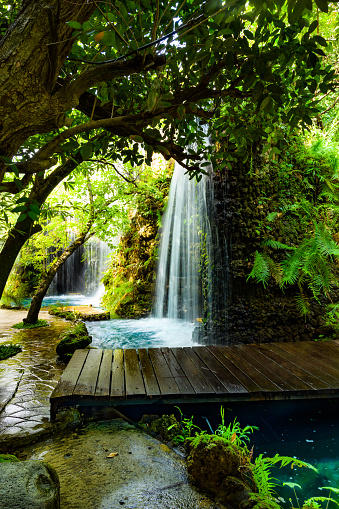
199, 374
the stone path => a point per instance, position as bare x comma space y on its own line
28, 378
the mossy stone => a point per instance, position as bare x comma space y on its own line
76, 337
217, 467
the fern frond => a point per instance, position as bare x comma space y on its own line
260, 271
302, 304
275, 270
277, 245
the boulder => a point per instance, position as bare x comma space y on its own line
29, 485
75, 337
217, 467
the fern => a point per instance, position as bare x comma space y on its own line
302, 303
277, 245
260, 270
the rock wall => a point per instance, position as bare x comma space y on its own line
254, 313
129, 282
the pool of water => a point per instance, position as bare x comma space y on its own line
69, 300
307, 430
142, 333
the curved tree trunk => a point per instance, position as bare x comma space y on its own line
34, 309
24, 230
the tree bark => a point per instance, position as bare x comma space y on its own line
34, 309
32, 53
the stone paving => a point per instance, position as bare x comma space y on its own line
28, 378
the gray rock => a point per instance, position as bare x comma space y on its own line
29, 485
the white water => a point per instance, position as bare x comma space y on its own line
184, 249
83, 271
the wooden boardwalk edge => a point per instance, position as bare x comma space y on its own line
199, 374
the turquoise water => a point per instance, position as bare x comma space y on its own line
68, 300
143, 333
307, 430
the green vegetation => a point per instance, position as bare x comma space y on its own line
75, 337
9, 350
8, 457
228, 447
23, 325
123, 91
310, 258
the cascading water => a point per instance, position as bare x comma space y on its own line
192, 272
83, 270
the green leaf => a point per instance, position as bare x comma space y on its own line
320, 40
20, 208
137, 138
21, 218
86, 151
32, 215
298, 9
313, 26
265, 103
181, 111
322, 5
108, 38
152, 100
292, 485
74, 24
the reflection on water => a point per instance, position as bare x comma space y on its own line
143, 333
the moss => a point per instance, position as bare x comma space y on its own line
68, 315
22, 325
219, 468
7, 457
75, 337
9, 350
165, 428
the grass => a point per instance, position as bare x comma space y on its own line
9, 350
22, 325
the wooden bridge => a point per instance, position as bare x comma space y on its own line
199, 374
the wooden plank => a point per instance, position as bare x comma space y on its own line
312, 374
256, 359
87, 380
71, 374
150, 381
329, 373
184, 386
327, 349
255, 374
196, 378
104, 378
118, 375
133, 377
166, 381
225, 357
292, 382
231, 383
205, 372
292, 372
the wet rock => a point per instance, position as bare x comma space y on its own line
76, 337
217, 468
29, 485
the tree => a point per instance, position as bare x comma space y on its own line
98, 79
94, 207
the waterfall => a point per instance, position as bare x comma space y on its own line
83, 270
184, 241
192, 279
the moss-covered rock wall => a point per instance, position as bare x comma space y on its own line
244, 197
129, 282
